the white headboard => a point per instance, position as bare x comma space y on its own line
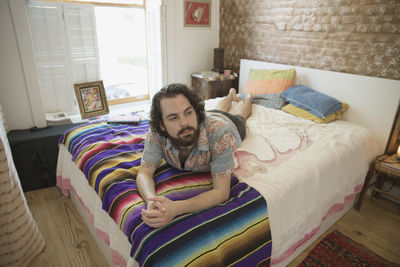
373, 101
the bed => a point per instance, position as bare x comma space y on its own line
294, 178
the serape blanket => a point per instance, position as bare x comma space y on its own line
234, 233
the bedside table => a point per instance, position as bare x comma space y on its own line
385, 166
207, 89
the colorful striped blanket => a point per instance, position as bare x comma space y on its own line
236, 232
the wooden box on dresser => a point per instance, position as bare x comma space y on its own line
211, 89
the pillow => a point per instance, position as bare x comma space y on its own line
269, 81
316, 103
298, 112
269, 101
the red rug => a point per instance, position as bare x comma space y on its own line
336, 249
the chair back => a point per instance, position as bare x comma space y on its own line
394, 137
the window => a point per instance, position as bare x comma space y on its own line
77, 42
121, 39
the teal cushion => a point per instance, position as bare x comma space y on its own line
269, 100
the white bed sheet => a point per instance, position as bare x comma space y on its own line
306, 171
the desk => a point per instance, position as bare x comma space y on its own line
385, 166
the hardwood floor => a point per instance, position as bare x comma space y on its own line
68, 242
376, 226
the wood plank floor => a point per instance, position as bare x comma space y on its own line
68, 242
376, 226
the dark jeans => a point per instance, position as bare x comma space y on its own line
238, 120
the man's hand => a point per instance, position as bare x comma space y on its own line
160, 211
154, 205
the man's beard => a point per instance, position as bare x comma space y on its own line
186, 140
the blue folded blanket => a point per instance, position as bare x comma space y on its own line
319, 104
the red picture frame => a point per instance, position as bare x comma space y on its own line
197, 13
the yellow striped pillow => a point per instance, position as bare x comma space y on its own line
269, 81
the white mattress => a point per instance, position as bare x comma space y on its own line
306, 171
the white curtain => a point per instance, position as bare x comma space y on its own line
20, 238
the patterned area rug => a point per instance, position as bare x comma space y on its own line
336, 249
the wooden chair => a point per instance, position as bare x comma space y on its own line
384, 166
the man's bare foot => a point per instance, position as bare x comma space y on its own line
249, 98
233, 96
246, 108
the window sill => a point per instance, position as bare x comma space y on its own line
141, 107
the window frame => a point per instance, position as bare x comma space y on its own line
110, 4
99, 3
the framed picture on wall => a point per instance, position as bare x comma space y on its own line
91, 98
197, 13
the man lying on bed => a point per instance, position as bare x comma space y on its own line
190, 139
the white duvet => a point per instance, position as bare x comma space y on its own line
306, 171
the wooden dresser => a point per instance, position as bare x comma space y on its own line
211, 89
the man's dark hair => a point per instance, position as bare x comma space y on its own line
171, 91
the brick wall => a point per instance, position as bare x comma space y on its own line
360, 37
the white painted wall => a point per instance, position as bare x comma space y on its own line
188, 50
13, 89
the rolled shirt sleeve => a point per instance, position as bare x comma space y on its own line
152, 152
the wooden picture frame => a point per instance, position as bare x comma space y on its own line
197, 13
91, 98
